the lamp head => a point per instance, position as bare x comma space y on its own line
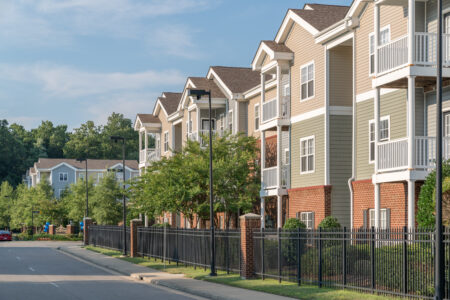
197, 93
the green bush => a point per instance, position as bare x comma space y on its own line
57, 237
293, 223
329, 223
161, 225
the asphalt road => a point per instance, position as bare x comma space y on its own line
37, 270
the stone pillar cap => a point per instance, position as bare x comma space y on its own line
250, 216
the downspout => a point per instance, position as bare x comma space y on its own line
352, 179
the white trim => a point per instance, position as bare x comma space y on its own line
257, 89
211, 73
370, 95
339, 40
287, 23
59, 165
308, 115
313, 137
164, 141
327, 117
159, 104
372, 121
177, 122
65, 174
340, 110
307, 81
255, 109
378, 45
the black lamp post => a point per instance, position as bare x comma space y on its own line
199, 94
439, 250
117, 139
86, 213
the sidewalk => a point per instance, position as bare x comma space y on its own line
173, 281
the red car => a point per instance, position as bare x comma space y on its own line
5, 235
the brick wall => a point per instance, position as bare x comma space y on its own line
392, 195
315, 199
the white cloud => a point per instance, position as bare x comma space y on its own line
67, 82
174, 40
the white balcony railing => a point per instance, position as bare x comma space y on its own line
285, 176
394, 55
286, 106
270, 110
193, 136
142, 156
149, 155
270, 178
393, 155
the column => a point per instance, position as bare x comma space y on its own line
279, 163
86, 223
263, 93
279, 92
377, 205
263, 212
376, 31
249, 223
145, 220
411, 30
140, 140
263, 155
198, 123
411, 204
411, 122
146, 139
377, 138
134, 224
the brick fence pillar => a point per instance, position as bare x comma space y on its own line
249, 223
70, 229
134, 224
51, 229
86, 223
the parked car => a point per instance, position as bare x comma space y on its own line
5, 235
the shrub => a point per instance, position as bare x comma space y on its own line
161, 225
294, 223
329, 223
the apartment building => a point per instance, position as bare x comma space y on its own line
60, 173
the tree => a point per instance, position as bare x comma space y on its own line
12, 156
106, 205
6, 201
119, 126
74, 200
85, 141
50, 140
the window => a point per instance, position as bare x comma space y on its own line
60, 193
256, 116
222, 123
81, 176
384, 135
230, 121
119, 176
205, 124
307, 218
385, 36
166, 141
447, 124
307, 155
307, 82
286, 156
384, 218
63, 177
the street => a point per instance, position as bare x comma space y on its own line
37, 270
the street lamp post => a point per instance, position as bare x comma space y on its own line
116, 139
199, 94
439, 249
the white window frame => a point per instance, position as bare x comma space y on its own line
65, 176
286, 156
308, 80
307, 217
383, 218
372, 35
166, 141
371, 122
257, 118
222, 123
213, 120
230, 121
312, 137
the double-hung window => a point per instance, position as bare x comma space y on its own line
307, 81
307, 155
63, 177
384, 135
385, 37
256, 116
307, 218
384, 222
166, 141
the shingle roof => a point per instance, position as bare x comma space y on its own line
277, 47
322, 16
97, 164
170, 101
237, 79
207, 84
148, 118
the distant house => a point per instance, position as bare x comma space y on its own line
61, 172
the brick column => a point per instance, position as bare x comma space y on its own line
86, 222
70, 229
249, 223
134, 224
51, 229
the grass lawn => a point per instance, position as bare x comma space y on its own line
272, 286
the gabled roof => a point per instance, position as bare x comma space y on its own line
170, 101
273, 50
93, 164
237, 79
206, 84
276, 47
321, 16
148, 118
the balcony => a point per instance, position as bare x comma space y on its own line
393, 155
149, 155
394, 55
270, 110
270, 177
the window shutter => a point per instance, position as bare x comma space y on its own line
388, 218
365, 219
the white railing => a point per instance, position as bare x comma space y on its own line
425, 48
285, 107
426, 151
142, 156
270, 110
154, 155
393, 155
270, 177
193, 136
393, 54
285, 176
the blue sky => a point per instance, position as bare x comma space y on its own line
70, 61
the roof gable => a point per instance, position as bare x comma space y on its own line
235, 80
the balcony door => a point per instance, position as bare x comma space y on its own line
205, 124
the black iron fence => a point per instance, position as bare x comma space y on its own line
108, 236
393, 261
191, 246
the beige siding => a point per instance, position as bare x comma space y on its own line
314, 126
302, 43
420, 112
184, 126
432, 14
251, 115
392, 105
341, 74
165, 126
340, 166
394, 16
431, 110
271, 94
